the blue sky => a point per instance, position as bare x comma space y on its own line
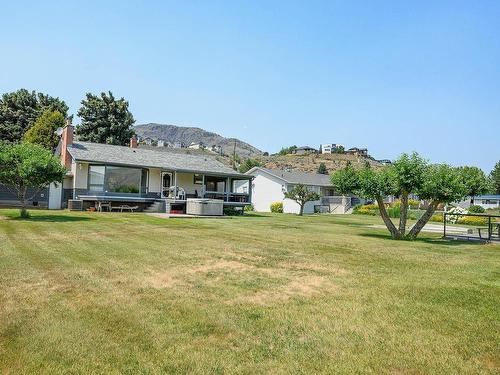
391, 76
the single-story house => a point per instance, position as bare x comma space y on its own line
269, 186
357, 151
486, 201
145, 178
303, 150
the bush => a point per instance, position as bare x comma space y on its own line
473, 220
394, 211
476, 209
414, 204
367, 209
277, 207
249, 208
438, 218
232, 211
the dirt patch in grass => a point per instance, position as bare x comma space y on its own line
162, 280
302, 286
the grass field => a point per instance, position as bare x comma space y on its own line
130, 293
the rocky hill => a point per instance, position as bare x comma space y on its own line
173, 133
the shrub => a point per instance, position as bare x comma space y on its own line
474, 209
367, 209
473, 220
394, 211
277, 207
438, 218
249, 208
413, 203
232, 211
454, 218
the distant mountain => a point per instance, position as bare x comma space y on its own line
173, 133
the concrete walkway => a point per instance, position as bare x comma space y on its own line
432, 228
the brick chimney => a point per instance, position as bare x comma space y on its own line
66, 140
133, 141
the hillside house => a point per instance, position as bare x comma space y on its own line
329, 148
305, 150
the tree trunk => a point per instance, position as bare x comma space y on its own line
403, 213
22, 198
301, 211
423, 220
387, 220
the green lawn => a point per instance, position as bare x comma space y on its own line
130, 293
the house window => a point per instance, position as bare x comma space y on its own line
118, 179
217, 184
96, 177
123, 180
198, 179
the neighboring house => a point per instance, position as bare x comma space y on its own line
384, 161
143, 177
357, 151
305, 150
177, 145
329, 148
162, 143
197, 146
269, 186
485, 201
216, 149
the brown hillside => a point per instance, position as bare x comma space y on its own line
311, 162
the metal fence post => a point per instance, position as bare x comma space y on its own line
444, 223
489, 228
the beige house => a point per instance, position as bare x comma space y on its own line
144, 178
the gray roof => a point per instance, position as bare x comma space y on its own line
140, 157
295, 177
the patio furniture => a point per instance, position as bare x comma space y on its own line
102, 205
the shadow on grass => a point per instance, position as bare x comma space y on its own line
432, 241
51, 218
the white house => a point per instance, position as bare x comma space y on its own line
329, 148
485, 201
269, 186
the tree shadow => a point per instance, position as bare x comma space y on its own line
52, 218
427, 240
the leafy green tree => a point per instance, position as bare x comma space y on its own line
20, 109
249, 164
340, 149
301, 194
409, 174
26, 165
287, 150
43, 132
442, 184
495, 178
475, 181
105, 120
322, 168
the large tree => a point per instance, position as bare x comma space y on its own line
249, 164
410, 174
105, 120
20, 109
301, 194
43, 132
475, 181
26, 166
495, 178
